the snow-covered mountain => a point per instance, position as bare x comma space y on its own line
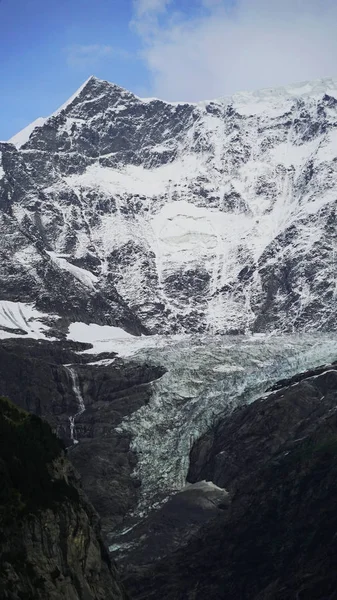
174, 217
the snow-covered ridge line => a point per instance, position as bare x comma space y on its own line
255, 100
20, 138
298, 89
304, 89
72, 97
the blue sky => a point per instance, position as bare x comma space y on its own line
174, 49
49, 47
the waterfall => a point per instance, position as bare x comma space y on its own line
80, 403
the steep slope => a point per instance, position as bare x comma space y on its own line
163, 217
50, 547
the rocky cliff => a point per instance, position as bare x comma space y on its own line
33, 373
51, 547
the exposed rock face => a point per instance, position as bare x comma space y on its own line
170, 527
255, 432
277, 458
162, 217
34, 375
103, 456
51, 547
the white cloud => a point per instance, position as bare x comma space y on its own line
83, 56
146, 16
226, 46
143, 7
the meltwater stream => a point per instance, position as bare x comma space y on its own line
206, 378
80, 403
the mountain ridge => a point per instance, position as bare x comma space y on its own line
302, 88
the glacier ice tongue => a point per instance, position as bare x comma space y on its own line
207, 377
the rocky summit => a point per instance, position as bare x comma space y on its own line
173, 217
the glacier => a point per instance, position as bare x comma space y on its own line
207, 377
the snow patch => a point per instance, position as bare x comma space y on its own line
135, 179
23, 317
87, 278
289, 154
106, 338
2, 172
184, 227
71, 122
81, 332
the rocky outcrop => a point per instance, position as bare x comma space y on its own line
31, 373
104, 457
169, 527
276, 540
51, 546
254, 433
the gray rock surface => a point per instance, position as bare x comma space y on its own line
33, 374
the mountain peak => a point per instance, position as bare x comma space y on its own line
190, 208
93, 86
256, 100
92, 81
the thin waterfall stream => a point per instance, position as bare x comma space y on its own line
80, 403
